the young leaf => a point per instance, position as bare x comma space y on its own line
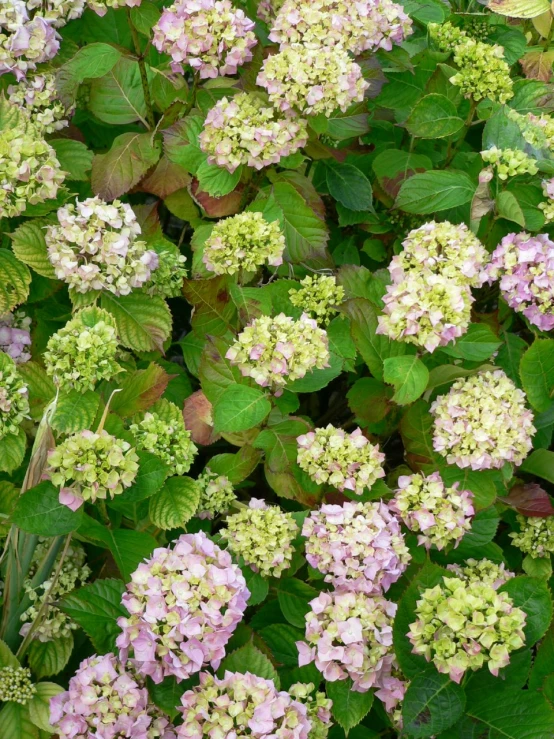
240, 408
29, 246
349, 707
409, 376
175, 504
50, 657
75, 411
142, 325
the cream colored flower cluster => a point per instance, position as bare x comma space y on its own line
245, 129
509, 162
482, 571
274, 351
535, 536
245, 242
319, 296
482, 422
38, 98
482, 71
216, 494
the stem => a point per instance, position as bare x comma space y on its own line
143, 75
45, 603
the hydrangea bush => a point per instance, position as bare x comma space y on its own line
276, 369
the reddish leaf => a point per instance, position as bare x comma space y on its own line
199, 420
148, 218
228, 205
537, 65
165, 179
140, 390
530, 500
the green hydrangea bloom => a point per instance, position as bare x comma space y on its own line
216, 494
88, 466
74, 573
509, 162
465, 625
482, 571
243, 242
483, 71
446, 36
318, 707
262, 535
14, 402
16, 685
319, 296
537, 130
536, 535
167, 279
162, 432
83, 352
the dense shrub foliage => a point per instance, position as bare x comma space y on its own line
276, 382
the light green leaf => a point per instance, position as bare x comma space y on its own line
240, 408
536, 370
432, 703
434, 191
7, 658
349, 707
75, 411
217, 181
281, 639
236, 467
117, 98
508, 208
130, 157
15, 722
96, 608
510, 713
409, 376
12, 451
74, 158
477, 345
150, 477
249, 659
14, 285
540, 567
29, 246
38, 511
348, 185
175, 504
519, 8
93, 60
142, 325
50, 657
540, 463
144, 17
433, 117
39, 705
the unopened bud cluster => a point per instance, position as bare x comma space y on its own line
162, 432
216, 494
167, 279
482, 571
318, 296
535, 536
509, 162
483, 71
16, 685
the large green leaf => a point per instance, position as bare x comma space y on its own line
540, 463
12, 451
39, 705
294, 599
349, 185
96, 607
536, 370
175, 504
117, 97
142, 325
249, 659
29, 246
240, 408
509, 713
74, 158
532, 595
349, 707
50, 657
434, 191
519, 8
476, 345
432, 703
38, 511
433, 117
75, 411
409, 376
15, 722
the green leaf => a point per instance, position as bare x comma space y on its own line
130, 157
236, 467
416, 429
537, 373
167, 695
75, 411
38, 511
257, 585
434, 117
477, 345
16, 278
348, 185
249, 659
39, 705
511, 713
240, 408
12, 451
50, 657
349, 707
434, 191
508, 208
540, 567
432, 703
7, 658
29, 246
532, 596
140, 390
294, 599
540, 463
217, 181
409, 376
175, 504
520, 8
144, 17
481, 483
150, 477
74, 158
142, 325
96, 608
368, 399
93, 60
281, 639
15, 722
117, 98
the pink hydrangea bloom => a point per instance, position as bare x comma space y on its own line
184, 604
349, 635
359, 546
24, 41
525, 264
240, 705
212, 36
106, 701
15, 337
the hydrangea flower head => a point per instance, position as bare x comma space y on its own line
247, 130
525, 264
509, 162
391, 690
101, 7
426, 309
241, 705
446, 35
349, 634
57, 12
274, 351
438, 514
216, 494
16, 685
25, 39
483, 71
104, 700
319, 296
212, 36
367, 25
535, 536
318, 707
262, 535
245, 241
94, 246
184, 604
167, 279
162, 432
465, 625
74, 573
482, 422
15, 337
346, 461
88, 466
444, 249
83, 352
359, 546
312, 81
38, 98
537, 130
482, 571
29, 170
14, 398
